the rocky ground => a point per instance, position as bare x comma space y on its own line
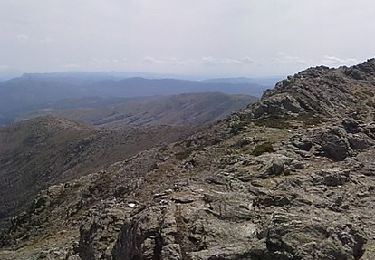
45, 151
290, 177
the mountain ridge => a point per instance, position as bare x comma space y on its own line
350, 83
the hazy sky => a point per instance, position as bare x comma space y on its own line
200, 37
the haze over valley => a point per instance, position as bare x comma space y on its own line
31, 93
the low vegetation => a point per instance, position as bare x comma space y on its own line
309, 119
278, 122
266, 147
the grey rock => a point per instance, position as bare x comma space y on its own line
351, 125
369, 129
360, 141
302, 143
334, 143
277, 104
332, 177
274, 164
274, 200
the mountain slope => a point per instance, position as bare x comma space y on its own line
282, 179
38, 153
193, 109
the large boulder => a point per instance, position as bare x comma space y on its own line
334, 143
278, 104
274, 164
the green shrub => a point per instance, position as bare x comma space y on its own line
274, 122
183, 155
260, 149
238, 127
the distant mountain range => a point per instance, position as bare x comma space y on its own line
94, 76
33, 92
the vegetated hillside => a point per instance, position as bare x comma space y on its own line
37, 153
290, 177
193, 109
33, 92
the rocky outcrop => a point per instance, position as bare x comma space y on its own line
323, 91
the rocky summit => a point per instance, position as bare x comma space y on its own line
289, 177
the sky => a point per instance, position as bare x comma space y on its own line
187, 37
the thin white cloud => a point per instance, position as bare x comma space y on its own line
47, 40
72, 66
167, 61
227, 61
4, 67
247, 60
337, 61
207, 60
22, 37
108, 61
284, 58
152, 60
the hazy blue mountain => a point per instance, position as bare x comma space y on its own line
31, 92
9, 74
